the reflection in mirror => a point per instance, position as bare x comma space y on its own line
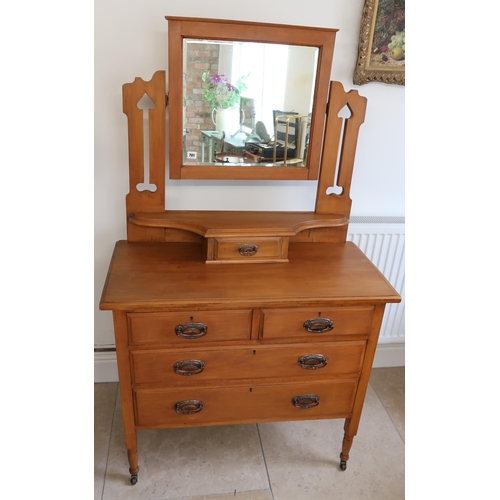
247, 102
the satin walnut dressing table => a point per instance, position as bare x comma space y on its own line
242, 317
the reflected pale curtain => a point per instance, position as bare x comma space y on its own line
266, 66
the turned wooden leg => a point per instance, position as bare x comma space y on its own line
344, 455
351, 424
346, 445
133, 461
126, 394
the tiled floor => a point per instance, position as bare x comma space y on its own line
272, 461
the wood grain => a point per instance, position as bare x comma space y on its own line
156, 366
243, 404
162, 276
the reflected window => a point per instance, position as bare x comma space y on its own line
266, 68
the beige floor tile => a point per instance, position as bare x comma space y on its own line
389, 384
179, 463
302, 458
104, 408
239, 495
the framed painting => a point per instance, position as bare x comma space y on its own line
381, 51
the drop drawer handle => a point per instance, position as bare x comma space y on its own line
318, 325
305, 401
188, 367
188, 407
248, 250
191, 330
313, 361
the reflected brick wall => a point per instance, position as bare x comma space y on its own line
199, 58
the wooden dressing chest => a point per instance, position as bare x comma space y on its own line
241, 317
211, 345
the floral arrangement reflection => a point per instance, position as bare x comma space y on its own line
220, 93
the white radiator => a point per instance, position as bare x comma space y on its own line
382, 239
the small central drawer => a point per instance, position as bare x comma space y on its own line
191, 366
189, 327
248, 249
318, 324
244, 404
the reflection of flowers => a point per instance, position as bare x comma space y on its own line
220, 93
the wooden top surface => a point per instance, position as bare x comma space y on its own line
154, 276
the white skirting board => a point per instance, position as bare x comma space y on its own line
105, 368
389, 355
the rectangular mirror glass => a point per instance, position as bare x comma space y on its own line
246, 100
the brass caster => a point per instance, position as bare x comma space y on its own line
133, 479
343, 465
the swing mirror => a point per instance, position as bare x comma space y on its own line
246, 100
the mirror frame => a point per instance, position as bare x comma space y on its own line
180, 28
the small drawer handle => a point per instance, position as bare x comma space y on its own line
248, 250
313, 361
305, 401
318, 325
188, 367
191, 330
188, 407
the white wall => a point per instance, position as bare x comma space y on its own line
131, 41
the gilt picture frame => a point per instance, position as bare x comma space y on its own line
381, 49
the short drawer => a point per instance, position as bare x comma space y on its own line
187, 366
192, 327
251, 249
316, 323
244, 404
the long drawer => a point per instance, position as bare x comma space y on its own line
316, 323
243, 404
188, 366
189, 327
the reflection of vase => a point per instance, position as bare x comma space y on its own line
226, 120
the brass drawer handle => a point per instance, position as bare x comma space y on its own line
188, 367
191, 330
305, 401
313, 361
248, 250
318, 325
188, 407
